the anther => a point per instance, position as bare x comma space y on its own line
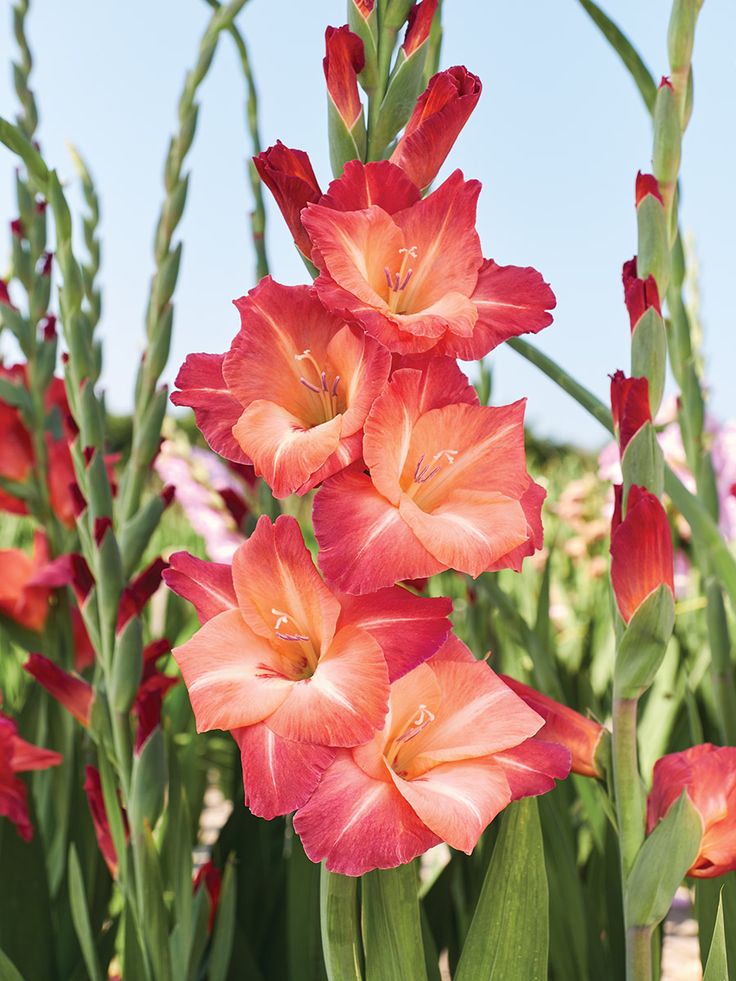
323, 378
406, 280
310, 386
334, 385
283, 636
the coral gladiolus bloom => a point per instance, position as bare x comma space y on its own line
289, 177
343, 62
431, 774
21, 599
416, 279
282, 661
440, 113
447, 488
642, 557
301, 383
708, 775
17, 756
629, 406
565, 726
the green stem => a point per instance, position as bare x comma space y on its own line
639, 954
627, 782
258, 215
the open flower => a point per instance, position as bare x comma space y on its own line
708, 775
447, 488
282, 662
434, 772
17, 756
21, 598
415, 278
301, 382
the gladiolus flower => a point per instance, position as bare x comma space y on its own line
418, 26
18, 756
565, 726
440, 113
629, 406
708, 775
641, 551
416, 279
640, 295
289, 177
447, 488
343, 62
96, 802
431, 773
209, 876
282, 661
74, 693
22, 598
301, 381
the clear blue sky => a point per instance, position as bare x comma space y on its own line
557, 139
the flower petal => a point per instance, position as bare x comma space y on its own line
204, 389
221, 665
364, 543
346, 699
355, 824
208, 586
408, 628
279, 775
458, 800
362, 185
532, 767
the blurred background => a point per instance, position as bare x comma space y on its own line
556, 139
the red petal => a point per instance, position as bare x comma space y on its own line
208, 586
203, 388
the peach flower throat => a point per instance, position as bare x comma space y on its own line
399, 752
297, 657
328, 401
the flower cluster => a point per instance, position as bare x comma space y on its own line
353, 704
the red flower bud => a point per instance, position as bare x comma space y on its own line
565, 726
418, 26
708, 775
211, 877
641, 552
289, 177
5, 296
343, 62
74, 693
138, 592
18, 756
629, 406
440, 113
639, 294
647, 184
96, 801
47, 261
16, 228
364, 7
665, 82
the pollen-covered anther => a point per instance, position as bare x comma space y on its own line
424, 717
284, 636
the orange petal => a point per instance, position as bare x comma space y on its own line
345, 700
458, 800
287, 582
221, 665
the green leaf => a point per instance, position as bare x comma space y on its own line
222, 941
8, 970
661, 864
642, 462
149, 782
303, 916
710, 894
392, 931
338, 906
716, 968
154, 917
80, 916
644, 643
508, 939
626, 52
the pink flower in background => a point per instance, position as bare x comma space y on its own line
208, 492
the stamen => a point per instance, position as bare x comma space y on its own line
334, 386
406, 280
281, 617
323, 378
291, 636
423, 719
310, 386
423, 473
387, 274
417, 469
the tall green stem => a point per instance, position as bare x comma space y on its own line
627, 783
639, 953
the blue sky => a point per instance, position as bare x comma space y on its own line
556, 139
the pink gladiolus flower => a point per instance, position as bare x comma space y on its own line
641, 551
447, 488
440, 113
295, 670
629, 406
708, 775
18, 756
434, 772
300, 381
416, 279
